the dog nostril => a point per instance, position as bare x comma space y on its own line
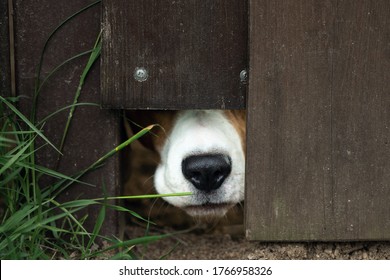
206, 172
196, 177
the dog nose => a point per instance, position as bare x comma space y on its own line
207, 172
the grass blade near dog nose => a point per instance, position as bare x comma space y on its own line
119, 147
148, 196
123, 145
59, 187
101, 160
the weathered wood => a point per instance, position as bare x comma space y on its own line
5, 68
193, 52
361, 120
318, 121
93, 132
288, 120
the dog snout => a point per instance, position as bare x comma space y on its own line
206, 172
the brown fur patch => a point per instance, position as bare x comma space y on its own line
238, 119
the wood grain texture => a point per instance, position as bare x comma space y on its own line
193, 51
93, 132
5, 72
361, 120
318, 121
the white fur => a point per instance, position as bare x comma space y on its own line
199, 132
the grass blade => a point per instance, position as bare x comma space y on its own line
47, 171
58, 67
16, 218
39, 68
132, 242
15, 157
26, 121
98, 225
149, 196
64, 109
95, 53
62, 185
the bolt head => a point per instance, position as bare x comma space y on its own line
244, 76
140, 74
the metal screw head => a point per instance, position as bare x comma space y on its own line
244, 76
141, 74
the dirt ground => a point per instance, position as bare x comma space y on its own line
217, 246
224, 240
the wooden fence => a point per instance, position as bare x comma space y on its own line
313, 76
319, 120
93, 131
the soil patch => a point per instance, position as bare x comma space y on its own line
199, 245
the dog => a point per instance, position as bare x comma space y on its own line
200, 151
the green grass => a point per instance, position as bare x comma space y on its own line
33, 223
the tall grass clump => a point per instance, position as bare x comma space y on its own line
34, 224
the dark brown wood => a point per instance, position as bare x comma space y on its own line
288, 119
318, 121
361, 120
93, 132
193, 51
5, 68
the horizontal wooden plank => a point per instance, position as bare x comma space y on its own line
193, 52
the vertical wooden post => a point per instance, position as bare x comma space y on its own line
5, 68
318, 120
93, 132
